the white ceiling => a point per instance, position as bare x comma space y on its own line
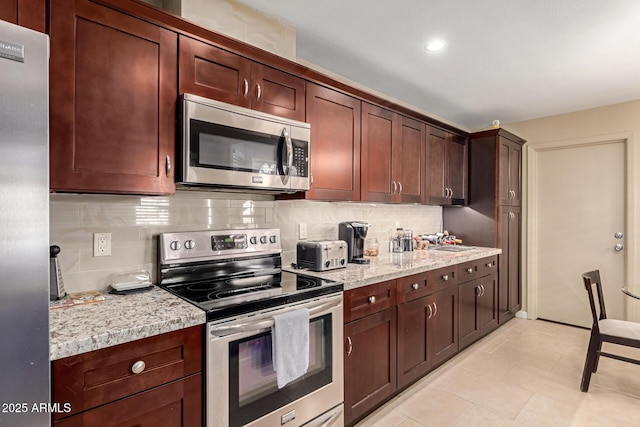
506, 59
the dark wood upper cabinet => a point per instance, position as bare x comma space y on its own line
26, 13
335, 144
509, 177
393, 156
215, 73
379, 153
447, 171
112, 101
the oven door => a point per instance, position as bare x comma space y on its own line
233, 146
241, 382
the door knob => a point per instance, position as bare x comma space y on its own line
618, 235
618, 247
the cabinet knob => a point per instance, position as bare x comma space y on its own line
415, 286
372, 299
489, 265
246, 88
435, 309
430, 311
138, 367
395, 186
400, 187
168, 165
349, 346
469, 270
258, 91
445, 277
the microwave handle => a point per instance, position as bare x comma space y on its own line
289, 145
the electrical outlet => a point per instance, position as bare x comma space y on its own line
101, 244
302, 231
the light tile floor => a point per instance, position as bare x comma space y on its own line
526, 373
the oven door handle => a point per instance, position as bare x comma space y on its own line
267, 323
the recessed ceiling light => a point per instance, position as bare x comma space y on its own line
435, 46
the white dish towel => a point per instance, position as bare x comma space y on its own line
290, 345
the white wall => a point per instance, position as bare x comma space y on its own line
614, 122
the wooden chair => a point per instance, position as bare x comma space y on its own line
605, 330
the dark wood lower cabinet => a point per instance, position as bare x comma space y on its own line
398, 330
155, 381
427, 334
478, 314
369, 363
175, 404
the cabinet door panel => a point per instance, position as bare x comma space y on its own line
487, 313
369, 362
378, 139
414, 359
457, 168
411, 171
211, 72
335, 144
468, 324
278, 93
515, 165
504, 220
112, 101
504, 182
175, 404
436, 171
9, 11
515, 290
444, 325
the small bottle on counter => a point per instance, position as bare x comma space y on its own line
398, 241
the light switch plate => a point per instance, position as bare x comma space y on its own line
302, 231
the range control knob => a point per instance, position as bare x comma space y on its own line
189, 244
263, 240
175, 245
253, 240
342, 261
327, 264
272, 239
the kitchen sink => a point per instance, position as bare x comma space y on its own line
454, 248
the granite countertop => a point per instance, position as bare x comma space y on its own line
389, 266
116, 320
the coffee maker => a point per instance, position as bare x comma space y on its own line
354, 233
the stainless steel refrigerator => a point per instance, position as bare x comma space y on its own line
24, 227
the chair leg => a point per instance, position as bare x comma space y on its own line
590, 361
595, 365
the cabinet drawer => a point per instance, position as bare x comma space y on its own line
414, 287
175, 404
102, 376
370, 299
477, 268
444, 277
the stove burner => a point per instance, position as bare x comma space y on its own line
204, 287
235, 292
306, 283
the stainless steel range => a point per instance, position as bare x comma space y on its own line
236, 277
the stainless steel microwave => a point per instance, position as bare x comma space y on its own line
228, 146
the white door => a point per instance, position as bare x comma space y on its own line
580, 208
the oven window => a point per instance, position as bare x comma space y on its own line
223, 147
253, 391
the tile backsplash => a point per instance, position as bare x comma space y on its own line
135, 221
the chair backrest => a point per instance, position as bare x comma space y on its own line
591, 279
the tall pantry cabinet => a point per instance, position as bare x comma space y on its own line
493, 215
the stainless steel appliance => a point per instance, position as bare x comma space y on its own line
230, 146
322, 255
354, 233
236, 277
24, 225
